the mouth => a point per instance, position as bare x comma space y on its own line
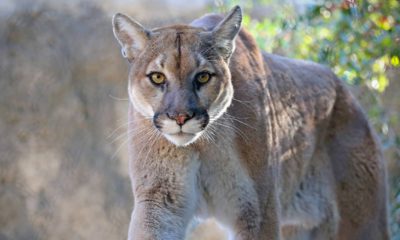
182, 133
182, 138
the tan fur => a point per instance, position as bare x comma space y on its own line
290, 155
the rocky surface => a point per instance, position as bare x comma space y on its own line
59, 175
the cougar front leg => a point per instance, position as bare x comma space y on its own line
270, 208
164, 191
247, 225
257, 223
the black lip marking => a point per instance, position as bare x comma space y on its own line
205, 122
156, 122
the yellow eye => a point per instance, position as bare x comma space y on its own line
157, 78
203, 77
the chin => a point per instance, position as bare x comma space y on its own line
182, 139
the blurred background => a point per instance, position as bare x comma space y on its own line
63, 99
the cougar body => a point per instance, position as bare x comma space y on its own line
273, 148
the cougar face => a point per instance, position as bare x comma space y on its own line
179, 76
181, 91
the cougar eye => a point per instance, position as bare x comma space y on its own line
203, 77
157, 78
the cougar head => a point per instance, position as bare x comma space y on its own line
179, 75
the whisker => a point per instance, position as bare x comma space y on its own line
156, 135
146, 140
207, 136
243, 101
211, 134
248, 104
129, 134
233, 128
125, 142
119, 148
117, 98
125, 124
239, 121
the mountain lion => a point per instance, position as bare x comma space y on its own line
273, 148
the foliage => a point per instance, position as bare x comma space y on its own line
359, 40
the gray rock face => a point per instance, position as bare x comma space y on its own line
60, 175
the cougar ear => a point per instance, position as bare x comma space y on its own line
130, 34
226, 31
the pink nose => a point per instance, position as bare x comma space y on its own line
181, 118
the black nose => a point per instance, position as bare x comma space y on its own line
181, 117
